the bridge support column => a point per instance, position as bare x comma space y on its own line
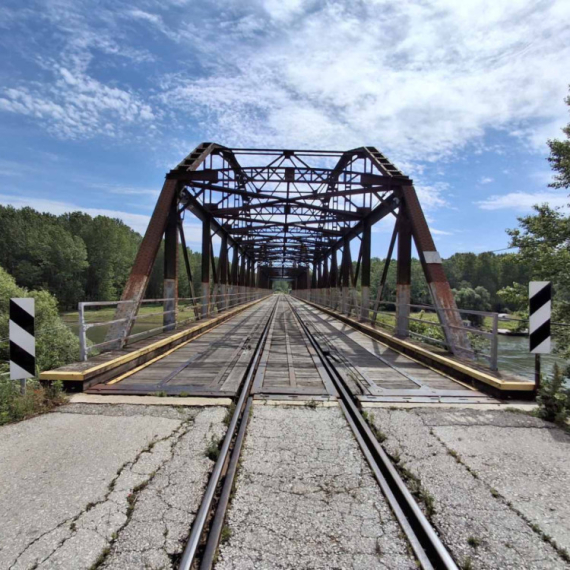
223, 262
334, 280
234, 275
326, 282
345, 276
206, 252
365, 275
170, 287
403, 271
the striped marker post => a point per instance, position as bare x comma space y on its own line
540, 306
22, 340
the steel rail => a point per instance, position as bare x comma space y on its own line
428, 548
198, 527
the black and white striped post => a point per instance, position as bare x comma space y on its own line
22, 340
540, 307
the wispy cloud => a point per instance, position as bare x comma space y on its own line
523, 201
486, 180
420, 80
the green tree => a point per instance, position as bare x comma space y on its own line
40, 253
560, 157
477, 299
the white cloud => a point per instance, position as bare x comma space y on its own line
78, 106
419, 80
486, 180
437, 232
523, 201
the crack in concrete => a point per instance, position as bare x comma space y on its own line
464, 514
74, 524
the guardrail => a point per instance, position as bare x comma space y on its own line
189, 309
484, 343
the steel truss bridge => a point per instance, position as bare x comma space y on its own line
290, 215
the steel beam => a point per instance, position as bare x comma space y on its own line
170, 288
403, 277
206, 253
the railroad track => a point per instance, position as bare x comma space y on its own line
205, 534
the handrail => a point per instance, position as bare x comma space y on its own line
217, 304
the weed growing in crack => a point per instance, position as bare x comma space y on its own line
428, 500
229, 414
89, 507
474, 542
226, 534
467, 563
100, 559
454, 454
72, 527
495, 493
213, 449
311, 404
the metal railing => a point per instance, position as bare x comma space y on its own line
190, 309
484, 343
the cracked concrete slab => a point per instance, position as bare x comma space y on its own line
495, 479
306, 498
71, 480
162, 512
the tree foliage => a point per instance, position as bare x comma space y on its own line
560, 157
543, 239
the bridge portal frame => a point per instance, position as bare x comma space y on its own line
277, 231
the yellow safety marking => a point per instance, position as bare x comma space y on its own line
104, 366
160, 357
481, 376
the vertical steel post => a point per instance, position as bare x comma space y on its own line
334, 280
235, 274
248, 279
495, 343
170, 288
537, 374
206, 252
345, 274
403, 270
326, 282
223, 266
365, 272
242, 278
82, 332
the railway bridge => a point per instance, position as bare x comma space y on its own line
305, 217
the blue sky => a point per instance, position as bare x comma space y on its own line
99, 99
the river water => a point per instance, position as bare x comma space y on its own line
515, 358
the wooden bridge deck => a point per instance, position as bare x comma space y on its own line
213, 362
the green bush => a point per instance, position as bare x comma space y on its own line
554, 398
56, 345
38, 399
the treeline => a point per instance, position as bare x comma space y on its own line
476, 278
77, 257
